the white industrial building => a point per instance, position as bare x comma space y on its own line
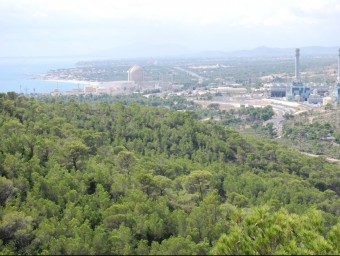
136, 74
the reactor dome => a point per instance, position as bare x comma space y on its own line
135, 74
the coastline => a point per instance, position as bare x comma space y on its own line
79, 82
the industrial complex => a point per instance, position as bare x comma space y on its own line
311, 93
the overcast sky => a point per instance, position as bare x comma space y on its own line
73, 27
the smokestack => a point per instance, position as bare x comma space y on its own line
297, 65
339, 66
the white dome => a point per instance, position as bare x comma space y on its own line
135, 68
135, 73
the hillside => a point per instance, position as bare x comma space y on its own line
317, 131
100, 178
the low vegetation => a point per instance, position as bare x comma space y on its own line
316, 132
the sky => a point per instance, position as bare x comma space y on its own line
90, 27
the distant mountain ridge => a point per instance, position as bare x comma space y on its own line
178, 51
145, 51
264, 51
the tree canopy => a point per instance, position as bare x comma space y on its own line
107, 178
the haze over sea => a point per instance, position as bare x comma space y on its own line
21, 75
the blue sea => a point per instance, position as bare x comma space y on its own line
19, 74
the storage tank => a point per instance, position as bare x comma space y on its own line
326, 101
297, 98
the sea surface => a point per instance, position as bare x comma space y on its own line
20, 74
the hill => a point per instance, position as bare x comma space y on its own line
178, 51
101, 178
263, 51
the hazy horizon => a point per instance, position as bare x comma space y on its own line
88, 28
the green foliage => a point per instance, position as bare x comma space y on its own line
6, 189
317, 132
263, 232
102, 178
240, 118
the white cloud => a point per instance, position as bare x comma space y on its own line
101, 23
246, 12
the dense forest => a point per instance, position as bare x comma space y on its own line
94, 177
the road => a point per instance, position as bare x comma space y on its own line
278, 117
279, 108
331, 160
189, 72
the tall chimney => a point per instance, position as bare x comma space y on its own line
339, 67
297, 65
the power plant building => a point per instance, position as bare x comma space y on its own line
278, 90
229, 90
337, 92
136, 74
337, 86
298, 88
314, 98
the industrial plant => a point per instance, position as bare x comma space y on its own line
312, 93
337, 87
205, 81
136, 74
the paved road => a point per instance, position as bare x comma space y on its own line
278, 109
278, 117
189, 72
